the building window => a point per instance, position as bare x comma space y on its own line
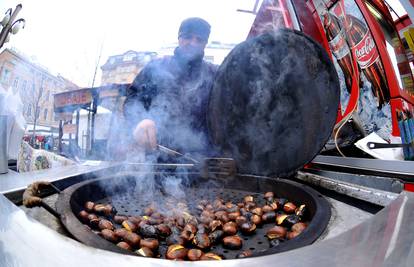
45, 114
16, 83
29, 110
5, 76
129, 57
23, 88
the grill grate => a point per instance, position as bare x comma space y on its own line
131, 204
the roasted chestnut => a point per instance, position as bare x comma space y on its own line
148, 231
281, 201
276, 232
202, 228
201, 240
290, 220
109, 235
291, 235
234, 208
92, 216
280, 218
135, 219
150, 243
300, 211
257, 211
149, 210
203, 202
244, 254
234, 215
248, 199
289, 207
105, 224
232, 242
129, 226
176, 252
248, 228
249, 206
89, 206
120, 218
299, 227
109, 210
206, 220
94, 223
256, 219
132, 238
240, 220
215, 224
240, 205
154, 221
269, 195
99, 208
145, 252
163, 230
210, 256
269, 217
230, 228
124, 245
194, 254
188, 232
274, 205
121, 233
216, 236
83, 216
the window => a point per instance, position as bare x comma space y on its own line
23, 88
29, 110
45, 114
129, 57
16, 83
5, 76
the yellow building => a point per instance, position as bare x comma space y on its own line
35, 85
123, 68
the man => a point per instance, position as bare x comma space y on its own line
167, 102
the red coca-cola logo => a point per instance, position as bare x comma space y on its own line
365, 51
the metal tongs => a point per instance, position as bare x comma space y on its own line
221, 167
373, 145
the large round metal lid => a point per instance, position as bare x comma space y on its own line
274, 103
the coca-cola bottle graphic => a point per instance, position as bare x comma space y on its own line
365, 51
339, 47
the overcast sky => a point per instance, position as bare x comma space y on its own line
66, 36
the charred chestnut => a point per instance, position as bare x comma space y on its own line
290, 220
240, 205
94, 223
124, 245
132, 238
149, 210
299, 227
274, 205
175, 239
250, 206
194, 254
222, 216
150, 243
234, 208
244, 254
210, 256
206, 220
230, 228
188, 232
163, 230
83, 216
232, 242
154, 221
202, 228
176, 252
105, 224
120, 218
92, 216
216, 236
269, 217
129, 226
121, 233
145, 252
276, 232
280, 218
135, 219
148, 231
289, 207
201, 240
248, 228
109, 235
281, 201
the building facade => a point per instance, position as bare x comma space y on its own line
123, 68
35, 86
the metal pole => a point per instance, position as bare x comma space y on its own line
6, 29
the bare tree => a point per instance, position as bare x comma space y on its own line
35, 95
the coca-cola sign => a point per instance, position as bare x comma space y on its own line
365, 51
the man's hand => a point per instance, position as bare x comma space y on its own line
145, 134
